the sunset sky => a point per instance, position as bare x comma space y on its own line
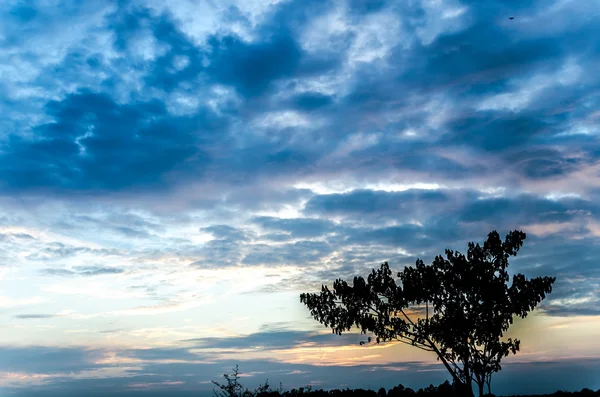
173, 174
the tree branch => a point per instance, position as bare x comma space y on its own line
417, 345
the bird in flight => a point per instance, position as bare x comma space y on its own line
511, 18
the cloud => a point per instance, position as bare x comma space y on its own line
34, 316
397, 236
172, 65
302, 252
59, 250
91, 131
49, 360
276, 339
250, 68
527, 209
86, 271
296, 227
225, 249
76, 369
311, 101
400, 205
225, 232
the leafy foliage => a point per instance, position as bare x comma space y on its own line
459, 307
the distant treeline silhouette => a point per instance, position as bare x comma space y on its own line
233, 388
443, 390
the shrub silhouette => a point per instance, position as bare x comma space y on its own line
463, 306
233, 387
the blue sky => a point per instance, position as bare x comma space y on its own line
174, 174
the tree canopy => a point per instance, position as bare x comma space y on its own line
459, 307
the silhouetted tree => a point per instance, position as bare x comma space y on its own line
233, 388
459, 307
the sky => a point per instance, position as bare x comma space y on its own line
174, 174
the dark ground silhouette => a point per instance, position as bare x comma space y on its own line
443, 390
233, 388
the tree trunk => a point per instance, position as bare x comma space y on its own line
467, 369
481, 392
470, 387
468, 380
465, 390
444, 361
